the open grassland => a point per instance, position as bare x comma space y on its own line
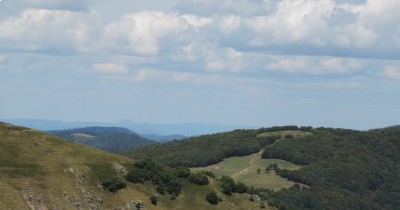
245, 169
39, 171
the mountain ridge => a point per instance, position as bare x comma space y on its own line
111, 139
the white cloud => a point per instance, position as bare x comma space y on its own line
225, 60
293, 21
39, 29
230, 24
142, 32
392, 72
110, 68
314, 65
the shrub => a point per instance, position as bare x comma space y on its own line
199, 179
113, 184
153, 200
241, 188
137, 175
212, 198
227, 185
208, 173
182, 171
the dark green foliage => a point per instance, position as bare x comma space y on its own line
182, 171
212, 198
241, 188
196, 151
208, 173
153, 200
111, 139
284, 128
344, 169
228, 185
270, 167
138, 175
164, 178
113, 184
199, 179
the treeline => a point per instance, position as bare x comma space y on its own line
344, 169
285, 128
204, 150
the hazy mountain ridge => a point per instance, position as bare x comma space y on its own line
111, 139
185, 129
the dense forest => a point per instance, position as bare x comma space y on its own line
344, 169
204, 150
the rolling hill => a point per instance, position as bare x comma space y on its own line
333, 168
40, 171
111, 139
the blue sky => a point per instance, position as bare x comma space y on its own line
250, 62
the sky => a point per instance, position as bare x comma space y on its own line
249, 62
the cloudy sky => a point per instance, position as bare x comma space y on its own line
250, 62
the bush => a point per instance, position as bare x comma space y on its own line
241, 188
137, 175
208, 173
212, 198
153, 200
199, 179
162, 177
113, 184
227, 185
182, 171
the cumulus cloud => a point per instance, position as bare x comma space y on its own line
41, 30
217, 37
110, 68
142, 32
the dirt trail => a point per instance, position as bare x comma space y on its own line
252, 164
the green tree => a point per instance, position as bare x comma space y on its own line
212, 198
227, 185
241, 187
199, 179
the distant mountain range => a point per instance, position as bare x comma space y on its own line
111, 139
144, 129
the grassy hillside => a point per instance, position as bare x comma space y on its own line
250, 170
39, 171
111, 139
211, 149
